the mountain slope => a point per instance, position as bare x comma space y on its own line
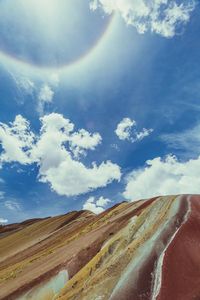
148, 249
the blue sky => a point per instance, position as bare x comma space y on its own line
131, 83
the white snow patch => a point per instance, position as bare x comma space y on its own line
52, 287
144, 250
158, 271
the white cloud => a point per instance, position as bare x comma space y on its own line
24, 87
163, 17
102, 201
12, 205
42, 93
164, 177
45, 96
3, 221
74, 178
97, 206
123, 130
2, 195
53, 151
126, 131
25, 84
188, 140
16, 140
115, 146
142, 134
84, 140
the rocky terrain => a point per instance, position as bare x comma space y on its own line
149, 249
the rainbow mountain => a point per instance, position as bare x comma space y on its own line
143, 250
